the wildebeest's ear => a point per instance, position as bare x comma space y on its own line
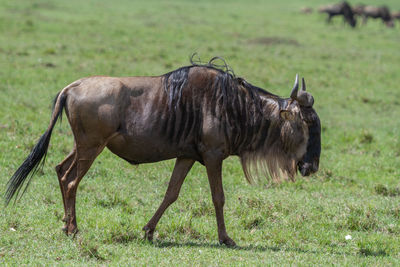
286, 115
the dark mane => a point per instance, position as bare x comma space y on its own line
176, 80
235, 101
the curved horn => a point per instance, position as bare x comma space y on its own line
293, 95
303, 84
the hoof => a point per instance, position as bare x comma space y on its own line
148, 233
73, 233
70, 232
228, 242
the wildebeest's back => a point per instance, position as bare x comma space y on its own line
334, 9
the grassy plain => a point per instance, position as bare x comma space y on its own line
352, 73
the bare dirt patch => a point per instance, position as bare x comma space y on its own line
273, 40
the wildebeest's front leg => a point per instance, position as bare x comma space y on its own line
182, 167
329, 18
214, 172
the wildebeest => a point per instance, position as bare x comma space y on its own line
381, 12
195, 113
340, 9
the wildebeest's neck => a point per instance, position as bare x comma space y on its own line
257, 127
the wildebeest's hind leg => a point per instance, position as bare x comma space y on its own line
81, 163
66, 167
182, 167
214, 172
365, 18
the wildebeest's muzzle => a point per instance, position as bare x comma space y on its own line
310, 162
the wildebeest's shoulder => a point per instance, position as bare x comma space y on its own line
201, 76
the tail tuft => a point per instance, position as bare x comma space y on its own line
36, 158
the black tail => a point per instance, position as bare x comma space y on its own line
37, 156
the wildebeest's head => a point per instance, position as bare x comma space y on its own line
352, 21
310, 160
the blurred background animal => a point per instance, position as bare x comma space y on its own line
396, 15
340, 9
381, 12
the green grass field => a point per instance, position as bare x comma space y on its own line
353, 75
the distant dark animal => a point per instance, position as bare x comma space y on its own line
195, 113
381, 12
341, 9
